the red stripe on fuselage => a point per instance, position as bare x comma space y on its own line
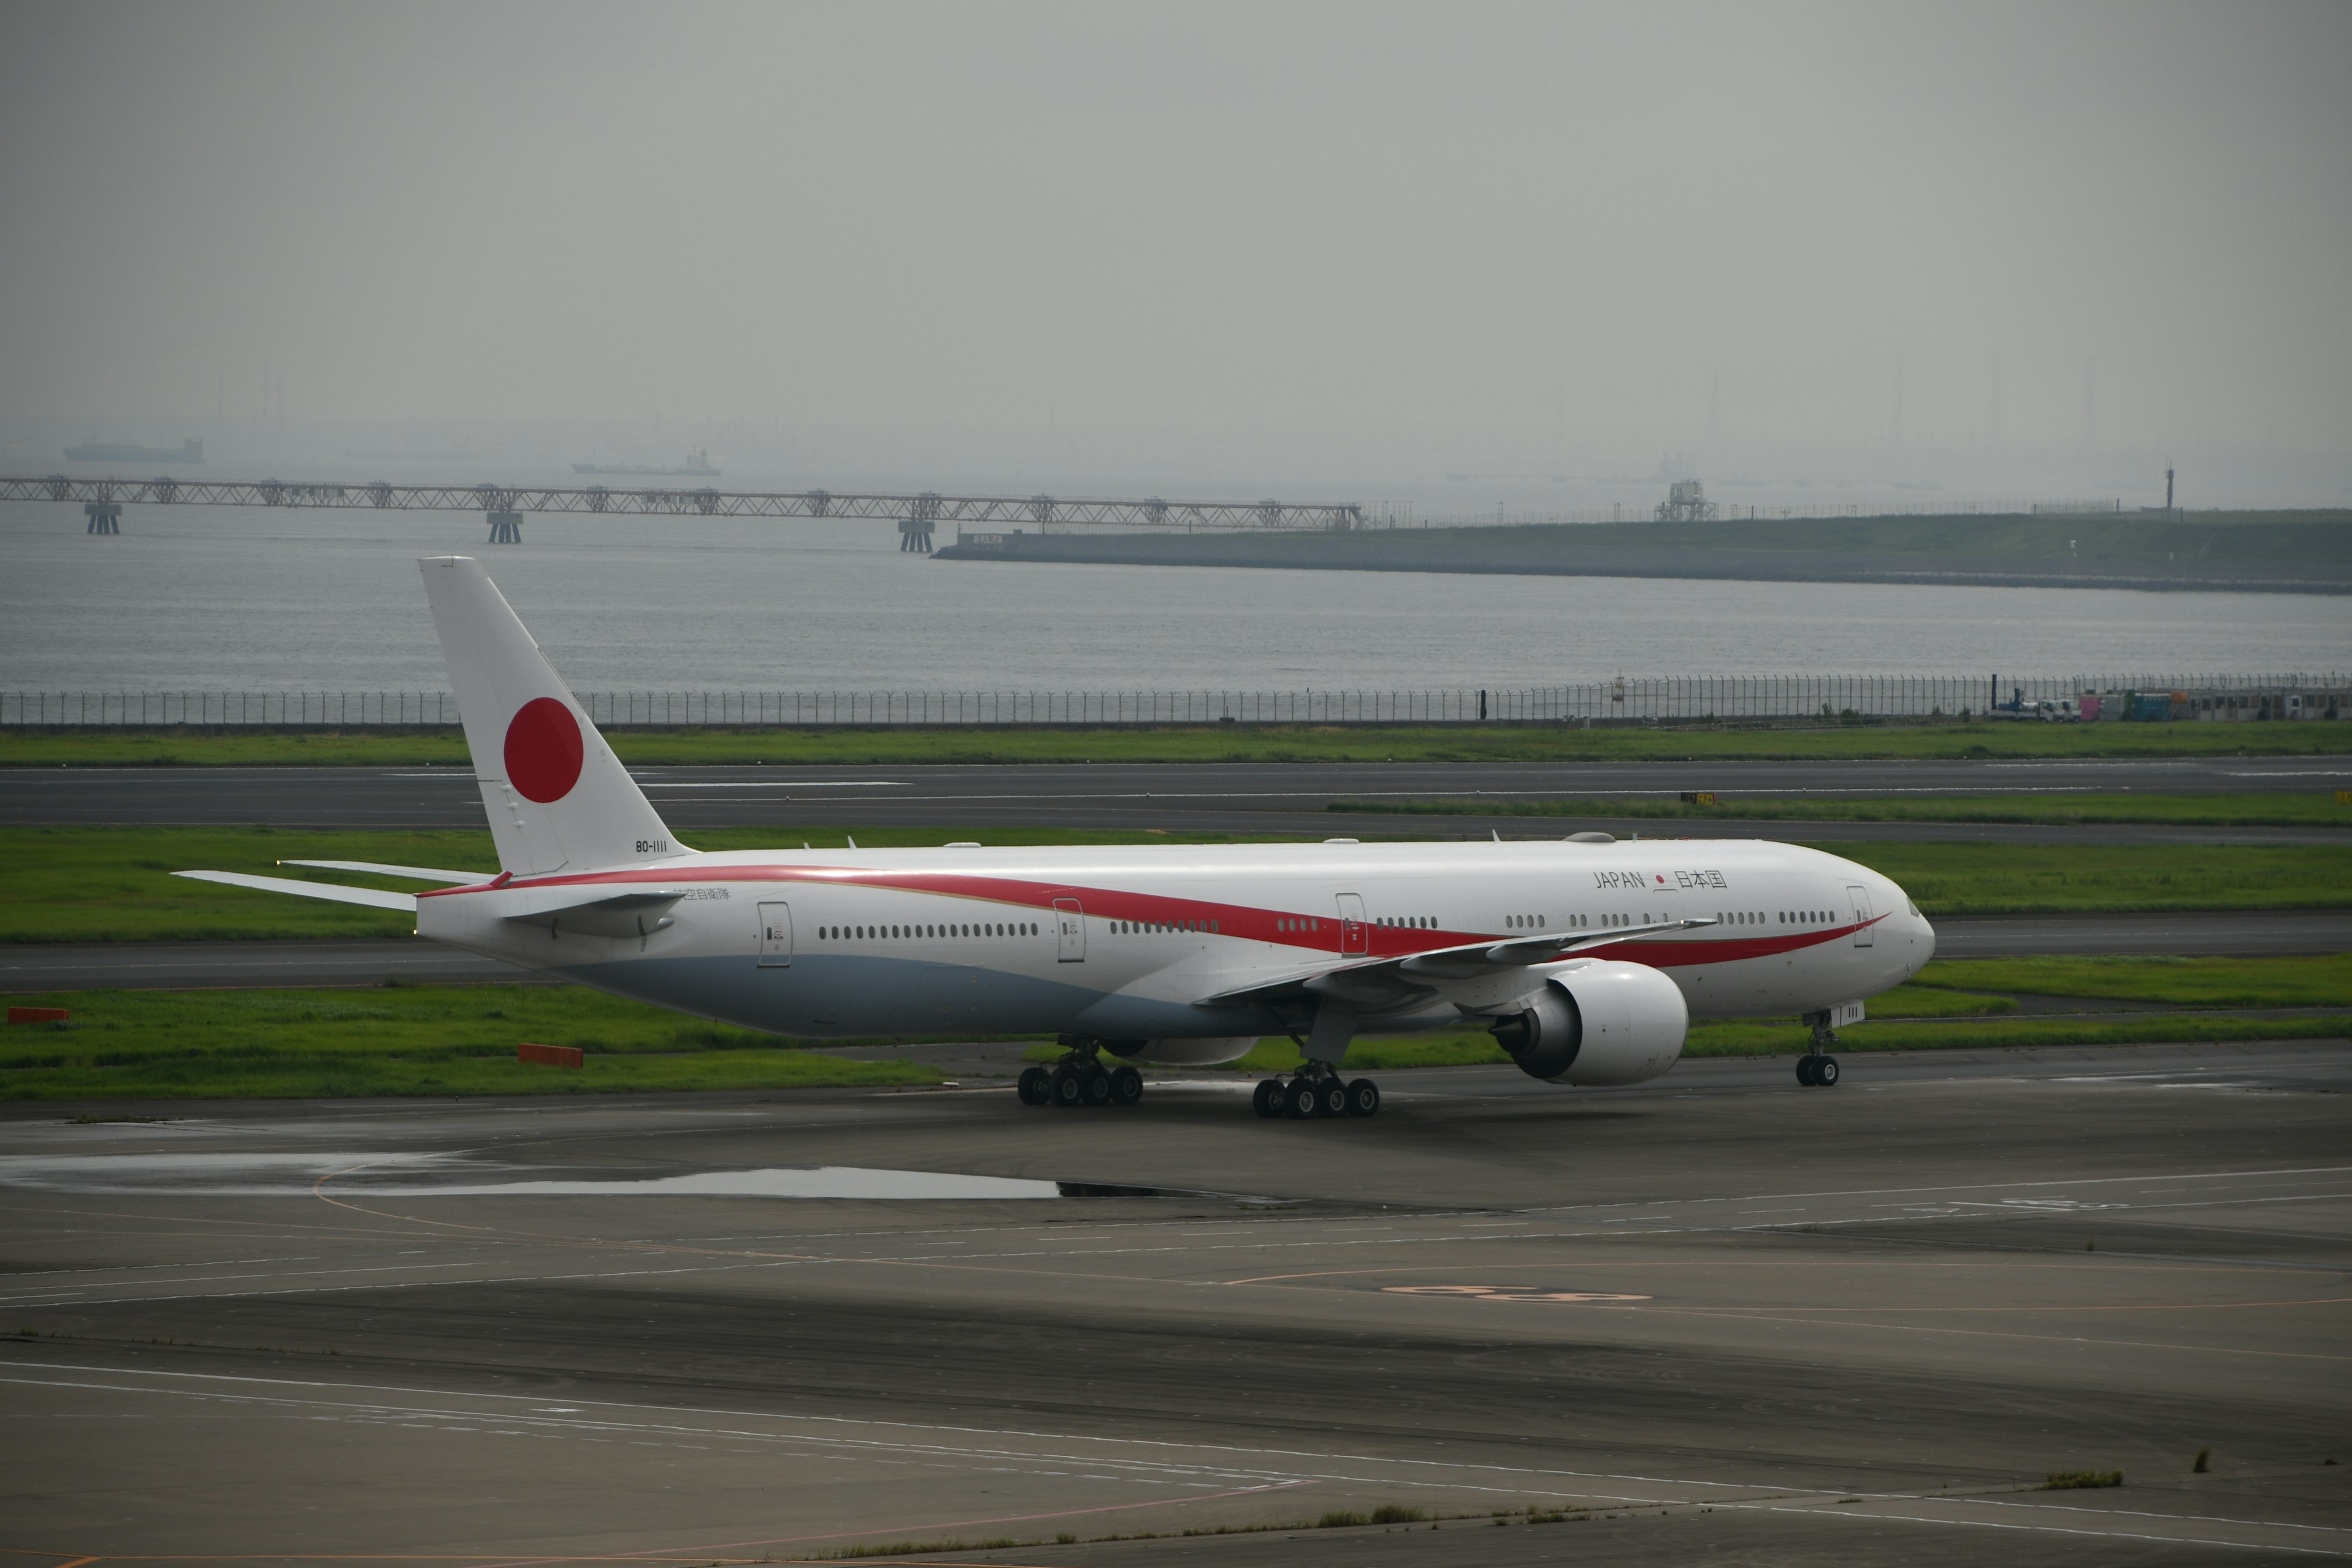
1237, 921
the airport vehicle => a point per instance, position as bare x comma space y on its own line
1586, 958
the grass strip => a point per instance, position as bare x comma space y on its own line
1786, 1037
395, 1040
1930, 740
2323, 981
410, 1040
2266, 809
2109, 879
114, 884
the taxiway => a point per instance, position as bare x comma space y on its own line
1718, 1317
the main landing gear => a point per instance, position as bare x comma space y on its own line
1079, 1079
1316, 1090
1817, 1068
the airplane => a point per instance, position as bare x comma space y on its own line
1586, 958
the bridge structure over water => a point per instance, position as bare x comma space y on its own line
917, 515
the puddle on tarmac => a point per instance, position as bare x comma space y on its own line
425, 1175
805, 1182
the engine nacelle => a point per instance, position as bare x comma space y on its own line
1598, 1023
1207, 1052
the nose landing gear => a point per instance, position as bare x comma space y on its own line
1817, 1068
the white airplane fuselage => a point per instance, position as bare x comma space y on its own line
1126, 942
1586, 959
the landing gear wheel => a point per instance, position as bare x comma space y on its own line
1805, 1070
1330, 1097
1825, 1072
1300, 1101
1267, 1099
1095, 1087
1363, 1097
1032, 1087
1126, 1085
1066, 1086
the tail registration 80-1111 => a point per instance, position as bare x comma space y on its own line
1587, 959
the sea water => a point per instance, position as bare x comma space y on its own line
268, 599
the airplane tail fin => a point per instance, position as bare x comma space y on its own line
558, 797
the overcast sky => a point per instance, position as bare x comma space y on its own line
1173, 216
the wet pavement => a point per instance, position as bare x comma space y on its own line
1716, 1318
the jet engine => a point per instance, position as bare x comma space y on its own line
1598, 1024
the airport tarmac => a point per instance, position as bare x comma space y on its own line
1250, 798
207, 965
1719, 1318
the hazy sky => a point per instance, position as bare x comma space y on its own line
1170, 217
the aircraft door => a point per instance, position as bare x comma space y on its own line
1352, 935
1070, 930
775, 936
1859, 898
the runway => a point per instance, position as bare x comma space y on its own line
1248, 798
204, 965
1719, 1317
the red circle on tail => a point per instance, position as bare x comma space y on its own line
543, 750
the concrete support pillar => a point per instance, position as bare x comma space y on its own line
506, 527
914, 534
105, 516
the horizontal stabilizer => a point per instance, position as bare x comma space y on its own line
411, 873
373, 898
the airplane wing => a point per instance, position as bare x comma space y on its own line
1395, 982
411, 873
372, 897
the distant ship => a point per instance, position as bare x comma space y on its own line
189, 451
697, 463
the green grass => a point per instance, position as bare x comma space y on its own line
114, 884
1202, 743
2074, 1480
1786, 1037
2316, 982
1766, 1037
2266, 809
409, 1040
162, 1045
2095, 878
1954, 1006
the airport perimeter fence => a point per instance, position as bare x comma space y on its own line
1644, 699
